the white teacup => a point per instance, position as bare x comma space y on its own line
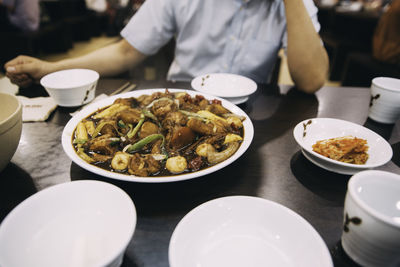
371, 230
72, 87
385, 100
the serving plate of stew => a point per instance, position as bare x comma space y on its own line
157, 135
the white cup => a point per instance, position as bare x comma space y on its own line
371, 229
72, 87
385, 100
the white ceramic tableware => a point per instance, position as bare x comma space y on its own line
81, 223
10, 127
308, 132
72, 87
385, 100
371, 230
67, 138
232, 87
239, 231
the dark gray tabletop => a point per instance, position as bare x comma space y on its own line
272, 168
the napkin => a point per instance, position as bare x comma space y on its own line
37, 108
7, 87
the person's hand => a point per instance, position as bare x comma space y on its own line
24, 70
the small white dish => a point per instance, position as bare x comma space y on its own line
79, 223
225, 85
329, 166
68, 131
308, 132
72, 87
246, 231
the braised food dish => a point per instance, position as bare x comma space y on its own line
347, 149
162, 134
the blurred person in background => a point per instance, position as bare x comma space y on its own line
234, 36
20, 15
386, 39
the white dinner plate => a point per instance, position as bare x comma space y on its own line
67, 137
308, 132
225, 85
239, 231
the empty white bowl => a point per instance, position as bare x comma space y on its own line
71, 88
371, 234
79, 223
241, 231
10, 127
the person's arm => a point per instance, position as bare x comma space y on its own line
107, 61
308, 61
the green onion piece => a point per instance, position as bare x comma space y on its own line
148, 139
84, 156
121, 124
194, 115
150, 115
133, 132
80, 141
99, 127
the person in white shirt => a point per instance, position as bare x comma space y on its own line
235, 36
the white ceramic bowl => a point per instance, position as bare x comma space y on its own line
308, 132
10, 127
239, 231
79, 223
371, 233
67, 138
72, 87
385, 100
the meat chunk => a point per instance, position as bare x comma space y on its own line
181, 137
143, 165
130, 116
103, 145
148, 128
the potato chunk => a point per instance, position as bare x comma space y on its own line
176, 164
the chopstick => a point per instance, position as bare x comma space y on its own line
120, 88
129, 88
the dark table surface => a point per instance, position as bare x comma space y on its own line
272, 168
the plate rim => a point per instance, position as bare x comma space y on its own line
66, 138
331, 169
252, 84
344, 164
267, 203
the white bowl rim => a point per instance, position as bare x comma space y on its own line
94, 79
354, 166
378, 81
9, 123
70, 126
351, 187
192, 213
252, 85
15, 212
